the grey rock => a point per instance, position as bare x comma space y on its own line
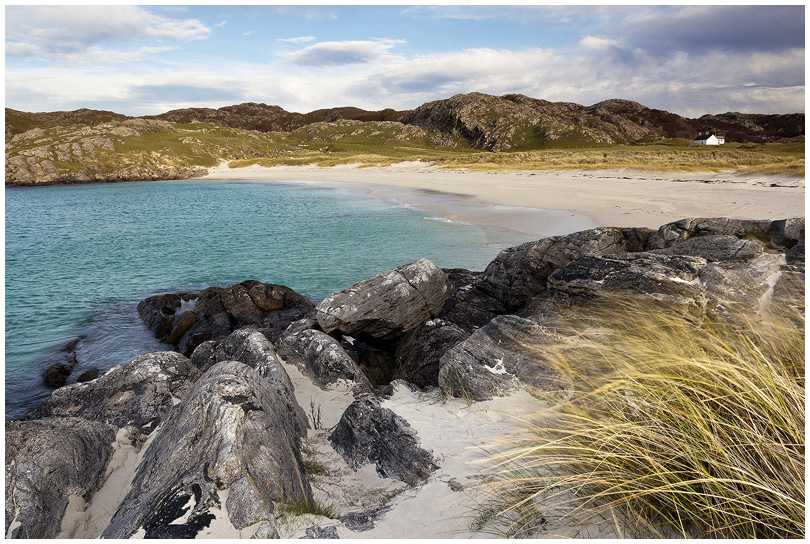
715, 248
680, 231
316, 532
186, 320
250, 347
364, 521
46, 461
419, 353
674, 278
88, 375
233, 430
519, 273
470, 307
387, 305
391, 389
139, 393
277, 323
60, 364
266, 530
368, 433
322, 357
497, 359
788, 233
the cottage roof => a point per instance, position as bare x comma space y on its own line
703, 137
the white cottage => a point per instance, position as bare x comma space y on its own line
709, 139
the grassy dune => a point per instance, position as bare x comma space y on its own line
749, 159
693, 424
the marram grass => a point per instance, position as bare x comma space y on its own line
697, 429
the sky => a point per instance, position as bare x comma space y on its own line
148, 59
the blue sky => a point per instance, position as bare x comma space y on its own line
142, 60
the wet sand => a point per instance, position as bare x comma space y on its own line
550, 203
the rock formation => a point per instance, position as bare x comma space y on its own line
186, 320
224, 430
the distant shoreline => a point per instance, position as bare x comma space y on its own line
573, 200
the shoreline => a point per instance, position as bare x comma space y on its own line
566, 200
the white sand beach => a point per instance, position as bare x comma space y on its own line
576, 199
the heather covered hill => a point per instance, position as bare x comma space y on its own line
466, 129
252, 116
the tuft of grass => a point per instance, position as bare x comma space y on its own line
697, 427
300, 507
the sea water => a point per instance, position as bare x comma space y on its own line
79, 258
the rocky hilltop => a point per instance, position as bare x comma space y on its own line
269, 415
63, 147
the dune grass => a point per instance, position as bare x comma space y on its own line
697, 428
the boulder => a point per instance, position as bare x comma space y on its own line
88, 375
506, 354
233, 432
419, 353
368, 433
60, 364
322, 358
469, 307
662, 277
680, 231
519, 273
250, 347
139, 393
387, 305
715, 248
275, 324
186, 320
47, 460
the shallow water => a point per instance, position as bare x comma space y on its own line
80, 258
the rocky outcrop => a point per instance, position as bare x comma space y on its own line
418, 355
186, 320
48, 460
368, 433
387, 305
662, 277
321, 357
233, 433
139, 393
498, 358
519, 273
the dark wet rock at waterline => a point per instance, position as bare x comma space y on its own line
139, 393
368, 433
46, 461
387, 305
186, 320
88, 375
60, 364
234, 432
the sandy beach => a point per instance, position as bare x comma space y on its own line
550, 203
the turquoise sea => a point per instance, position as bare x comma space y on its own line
79, 258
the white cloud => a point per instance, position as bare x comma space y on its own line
597, 44
340, 53
221, 24
300, 39
690, 84
64, 32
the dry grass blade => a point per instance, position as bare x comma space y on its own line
698, 427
